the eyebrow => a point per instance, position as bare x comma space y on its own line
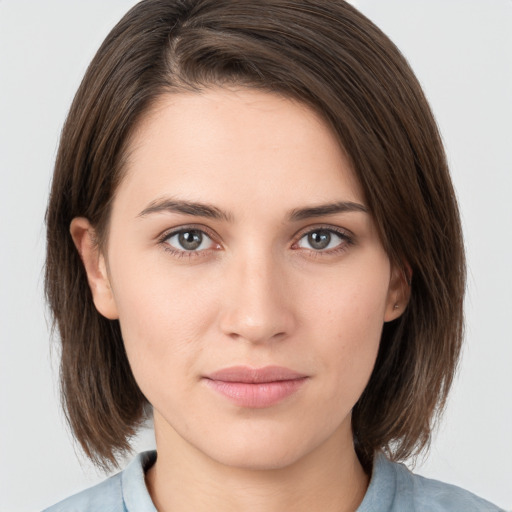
187, 208
212, 212
326, 209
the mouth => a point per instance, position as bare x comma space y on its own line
255, 388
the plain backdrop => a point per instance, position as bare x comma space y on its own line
461, 51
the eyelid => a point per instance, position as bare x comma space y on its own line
343, 232
346, 235
168, 233
179, 229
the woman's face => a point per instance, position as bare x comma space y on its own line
247, 275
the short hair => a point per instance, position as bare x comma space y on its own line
330, 57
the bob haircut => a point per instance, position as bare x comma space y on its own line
330, 57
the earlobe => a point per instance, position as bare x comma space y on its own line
399, 292
84, 238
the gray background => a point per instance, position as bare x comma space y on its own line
462, 52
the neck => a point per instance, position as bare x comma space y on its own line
330, 478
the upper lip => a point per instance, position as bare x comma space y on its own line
250, 375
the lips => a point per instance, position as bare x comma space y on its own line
255, 387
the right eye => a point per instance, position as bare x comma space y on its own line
189, 240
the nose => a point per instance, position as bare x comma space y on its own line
257, 300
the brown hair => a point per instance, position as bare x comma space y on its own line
329, 56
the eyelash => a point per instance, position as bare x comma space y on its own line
346, 241
163, 241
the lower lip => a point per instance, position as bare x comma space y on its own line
256, 395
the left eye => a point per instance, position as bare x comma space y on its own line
189, 240
321, 240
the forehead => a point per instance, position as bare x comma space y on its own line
236, 146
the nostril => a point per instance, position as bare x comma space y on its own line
270, 328
255, 305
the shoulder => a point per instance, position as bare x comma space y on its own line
106, 496
123, 492
428, 494
404, 491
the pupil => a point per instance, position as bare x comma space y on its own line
319, 239
190, 240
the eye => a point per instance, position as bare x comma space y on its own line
189, 240
322, 239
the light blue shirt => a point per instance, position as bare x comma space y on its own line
393, 488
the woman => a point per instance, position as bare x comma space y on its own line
252, 230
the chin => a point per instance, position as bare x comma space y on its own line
254, 458
265, 449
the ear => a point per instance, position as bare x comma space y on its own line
84, 237
399, 292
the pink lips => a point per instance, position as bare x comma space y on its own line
255, 387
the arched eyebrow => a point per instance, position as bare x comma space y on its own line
187, 208
212, 212
326, 209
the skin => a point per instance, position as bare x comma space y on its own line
256, 292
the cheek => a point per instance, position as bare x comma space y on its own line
351, 300
346, 319
164, 316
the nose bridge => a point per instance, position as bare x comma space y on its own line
256, 308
